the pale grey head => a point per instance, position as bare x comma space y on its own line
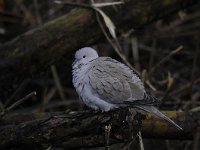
83, 56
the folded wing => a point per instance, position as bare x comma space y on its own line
114, 82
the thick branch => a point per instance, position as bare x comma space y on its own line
28, 54
74, 132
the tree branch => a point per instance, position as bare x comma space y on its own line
70, 131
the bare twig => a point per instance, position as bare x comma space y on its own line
21, 101
47, 96
2, 108
141, 141
107, 4
165, 59
57, 82
18, 102
19, 89
93, 6
184, 87
37, 12
153, 51
135, 52
107, 137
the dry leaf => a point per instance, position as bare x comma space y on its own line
107, 4
108, 22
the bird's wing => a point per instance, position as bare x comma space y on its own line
114, 82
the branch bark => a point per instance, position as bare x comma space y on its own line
29, 54
44, 130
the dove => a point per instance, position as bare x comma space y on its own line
105, 84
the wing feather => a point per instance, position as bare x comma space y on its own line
114, 82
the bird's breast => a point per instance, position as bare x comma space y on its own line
79, 78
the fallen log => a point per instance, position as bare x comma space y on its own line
72, 131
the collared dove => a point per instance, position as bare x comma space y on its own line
106, 84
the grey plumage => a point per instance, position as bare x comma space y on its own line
114, 82
105, 84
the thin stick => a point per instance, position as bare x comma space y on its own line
165, 59
107, 136
20, 101
141, 141
21, 87
82, 5
58, 83
2, 109
135, 52
153, 52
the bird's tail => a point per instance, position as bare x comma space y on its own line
153, 110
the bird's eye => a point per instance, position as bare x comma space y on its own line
83, 56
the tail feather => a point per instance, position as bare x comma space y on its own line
153, 110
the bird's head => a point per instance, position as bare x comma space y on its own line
84, 56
